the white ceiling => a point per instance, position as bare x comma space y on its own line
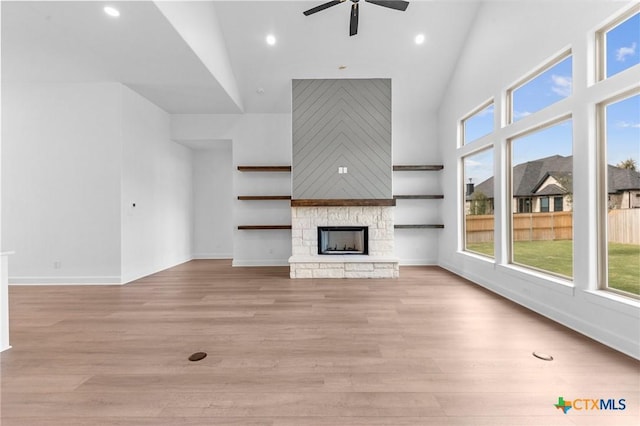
76, 41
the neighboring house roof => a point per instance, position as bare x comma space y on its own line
564, 183
552, 189
529, 176
622, 179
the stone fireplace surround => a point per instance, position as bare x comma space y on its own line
305, 261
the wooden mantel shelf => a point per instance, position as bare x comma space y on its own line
264, 168
417, 167
351, 202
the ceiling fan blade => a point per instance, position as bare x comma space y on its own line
322, 7
353, 25
391, 4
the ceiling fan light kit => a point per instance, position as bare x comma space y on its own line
353, 22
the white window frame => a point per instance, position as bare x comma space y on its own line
514, 208
601, 41
463, 236
532, 76
462, 142
603, 195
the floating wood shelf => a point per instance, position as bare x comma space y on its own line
417, 167
263, 197
262, 227
264, 168
425, 226
418, 197
351, 202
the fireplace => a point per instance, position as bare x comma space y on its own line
376, 260
343, 240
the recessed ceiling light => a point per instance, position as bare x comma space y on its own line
111, 11
419, 39
271, 39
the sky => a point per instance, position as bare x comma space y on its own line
622, 117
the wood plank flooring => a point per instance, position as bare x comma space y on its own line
428, 348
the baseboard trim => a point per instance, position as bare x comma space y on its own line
260, 262
211, 256
92, 280
140, 275
418, 262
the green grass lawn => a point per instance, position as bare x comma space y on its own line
482, 248
557, 257
552, 256
624, 267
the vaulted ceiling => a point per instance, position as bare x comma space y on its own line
146, 48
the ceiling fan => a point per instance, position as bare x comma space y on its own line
353, 25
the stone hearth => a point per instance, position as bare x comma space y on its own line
305, 261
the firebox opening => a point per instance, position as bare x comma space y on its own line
343, 240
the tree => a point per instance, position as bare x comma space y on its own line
479, 203
566, 181
629, 164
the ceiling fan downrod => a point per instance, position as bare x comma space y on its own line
353, 21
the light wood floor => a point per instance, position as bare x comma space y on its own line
426, 349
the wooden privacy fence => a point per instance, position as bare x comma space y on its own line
543, 226
526, 227
624, 227
479, 228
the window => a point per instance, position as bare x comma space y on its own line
619, 45
620, 184
524, 205
534, 141
558, 204
550, 85
544, 204
478, 124
542, 161
478, 203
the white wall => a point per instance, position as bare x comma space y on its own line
4, 270
212, 201
507, 42
262, 139
60, 182
156, 177
197, 23
415, 141
75, 159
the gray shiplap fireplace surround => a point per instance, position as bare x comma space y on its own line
342, 176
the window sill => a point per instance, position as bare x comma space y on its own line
538, 278
610, 300
474, 255
550, 282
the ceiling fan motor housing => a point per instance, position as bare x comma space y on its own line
353, 23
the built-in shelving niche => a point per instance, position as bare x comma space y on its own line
418, 168
396, 168
264, 169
